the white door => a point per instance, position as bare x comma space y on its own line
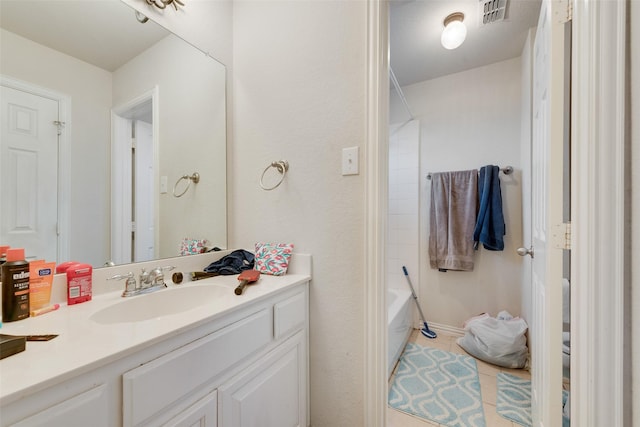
29, 173
547, 196
121, 190
144, 192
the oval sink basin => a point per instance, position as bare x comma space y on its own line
161, 303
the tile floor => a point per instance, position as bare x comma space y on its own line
486, 372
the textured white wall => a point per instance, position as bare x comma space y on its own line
468, 120
299, 94
89, 88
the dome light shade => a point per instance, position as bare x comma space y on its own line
454, 31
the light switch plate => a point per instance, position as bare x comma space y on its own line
350, 161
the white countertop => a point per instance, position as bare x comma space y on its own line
82, 344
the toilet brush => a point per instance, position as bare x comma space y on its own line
425, 330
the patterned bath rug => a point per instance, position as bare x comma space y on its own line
439, 386
514, 399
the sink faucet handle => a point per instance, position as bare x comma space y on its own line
121, 276
130, 284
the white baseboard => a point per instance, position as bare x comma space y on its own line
445, 329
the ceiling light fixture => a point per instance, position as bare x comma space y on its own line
454, 31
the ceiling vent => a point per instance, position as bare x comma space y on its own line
492, 11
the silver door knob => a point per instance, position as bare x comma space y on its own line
525, 251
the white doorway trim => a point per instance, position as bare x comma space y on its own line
376, 200
118, 228
64, 153
598, 215
598, 207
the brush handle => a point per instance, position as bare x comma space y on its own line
197, 275
240, 287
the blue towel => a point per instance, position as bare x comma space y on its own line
490, 228
233, 263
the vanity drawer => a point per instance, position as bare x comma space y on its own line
289, 315
87, 408
155, 386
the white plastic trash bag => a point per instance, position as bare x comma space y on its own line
500, 341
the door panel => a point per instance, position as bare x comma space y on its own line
29, 173
547, 205
121, 190
144, 192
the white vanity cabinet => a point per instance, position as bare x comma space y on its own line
269, 393
247, 367
254, 371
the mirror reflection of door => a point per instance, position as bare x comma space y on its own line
29, 173
143, 192
133, 177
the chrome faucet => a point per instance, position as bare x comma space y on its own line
149, 281
154, 277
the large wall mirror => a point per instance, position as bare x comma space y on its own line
105, 120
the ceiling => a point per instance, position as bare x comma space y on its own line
104, 33
416, 25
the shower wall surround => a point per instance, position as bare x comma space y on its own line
403, 239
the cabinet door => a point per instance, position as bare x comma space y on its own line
273, 391
203, 413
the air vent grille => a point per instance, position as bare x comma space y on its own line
492, 11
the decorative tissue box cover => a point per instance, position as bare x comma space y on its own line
273, 258
190, 246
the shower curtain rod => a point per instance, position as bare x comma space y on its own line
392, 76
507, 170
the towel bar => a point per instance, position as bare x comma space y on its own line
507, 170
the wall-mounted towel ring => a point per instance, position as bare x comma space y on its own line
282, 166
195, 178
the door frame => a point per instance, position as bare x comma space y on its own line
598, 213
64, 153
599, 238
118, 228
376, 160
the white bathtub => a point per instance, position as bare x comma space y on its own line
400, 319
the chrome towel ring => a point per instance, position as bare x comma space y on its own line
282, 166
195, 178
